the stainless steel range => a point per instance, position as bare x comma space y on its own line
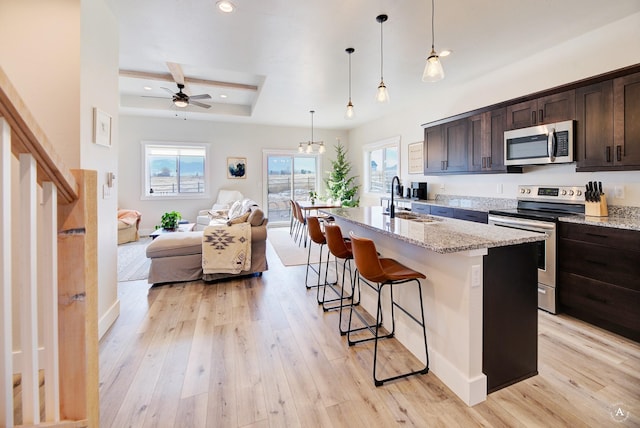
539, 208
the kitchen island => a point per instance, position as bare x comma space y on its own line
480, 295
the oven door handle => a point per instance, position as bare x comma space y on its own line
522, 224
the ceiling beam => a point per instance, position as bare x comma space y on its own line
169, 78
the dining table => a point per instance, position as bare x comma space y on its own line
308, 206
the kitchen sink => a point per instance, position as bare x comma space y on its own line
406, 216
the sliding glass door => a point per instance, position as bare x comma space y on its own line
288, 176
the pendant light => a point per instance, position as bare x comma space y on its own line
350, 113
433, 70
308, 146
382, 95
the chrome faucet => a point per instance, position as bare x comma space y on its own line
392, 208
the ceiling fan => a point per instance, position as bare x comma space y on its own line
180, 99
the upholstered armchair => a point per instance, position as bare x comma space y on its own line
225, 199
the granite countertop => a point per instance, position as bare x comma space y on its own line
620, 217
474, 203
438, 234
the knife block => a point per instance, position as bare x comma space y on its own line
597, 209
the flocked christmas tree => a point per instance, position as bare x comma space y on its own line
340, 186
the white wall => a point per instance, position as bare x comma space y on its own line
601, 50
62, 56
225, 139
99, 88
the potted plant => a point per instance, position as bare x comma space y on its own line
170, 220
313, 195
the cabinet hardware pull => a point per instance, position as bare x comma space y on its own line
533, 117
442, 165
608, 153
488, 161
596, 235
618, 153
595, 298
484, 162
540, 115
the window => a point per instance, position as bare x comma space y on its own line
175, 171
288, 176
381, 165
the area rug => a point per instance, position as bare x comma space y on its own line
288, 251
133, 264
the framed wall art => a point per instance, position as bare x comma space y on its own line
236, 167
415, 158
101, 128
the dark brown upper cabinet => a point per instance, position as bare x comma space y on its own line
486, 141
594, 126
626, 116
552, 108
445, 148
433, 150
608, 125
454, 139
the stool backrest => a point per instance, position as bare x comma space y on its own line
299, 214
366, 258
315, 232
335, 242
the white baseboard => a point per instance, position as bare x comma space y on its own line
470, 390
108, 318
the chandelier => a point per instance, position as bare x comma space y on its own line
308, 146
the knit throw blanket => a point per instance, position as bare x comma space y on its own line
226, 249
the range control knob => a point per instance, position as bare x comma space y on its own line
528, 191
579, 193
521, 190
570, 192
564, 192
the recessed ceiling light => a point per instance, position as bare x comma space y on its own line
225, 6
223, 95
147, 88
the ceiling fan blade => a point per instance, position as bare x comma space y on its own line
176, 72
168, 90
151, 96
200, 97
199, 104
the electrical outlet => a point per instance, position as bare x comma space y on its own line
499, 188
441, 186
618, 192
476, 276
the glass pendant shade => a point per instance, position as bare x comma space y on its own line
382, 96
350, 113
433, 70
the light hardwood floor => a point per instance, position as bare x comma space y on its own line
259, 352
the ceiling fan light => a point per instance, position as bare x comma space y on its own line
382, 95
180, 103
433, 70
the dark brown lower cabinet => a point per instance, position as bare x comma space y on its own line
510, 315
599, 277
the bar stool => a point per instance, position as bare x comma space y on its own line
302, 224
340, 247
316, 236
376, 273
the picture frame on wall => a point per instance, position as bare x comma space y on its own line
101, 128
415, 160
236, 167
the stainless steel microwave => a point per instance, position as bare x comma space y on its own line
539, 145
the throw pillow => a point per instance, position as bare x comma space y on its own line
240, 219
235, 210
256, 217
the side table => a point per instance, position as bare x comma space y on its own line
184, 227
